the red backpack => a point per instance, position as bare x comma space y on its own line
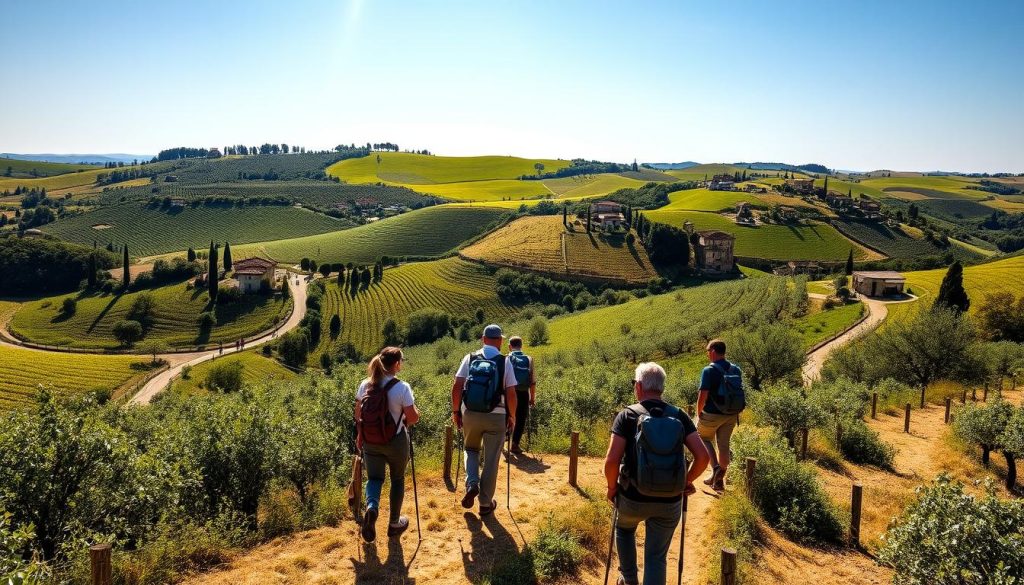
378, 426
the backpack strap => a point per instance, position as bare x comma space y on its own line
387, 388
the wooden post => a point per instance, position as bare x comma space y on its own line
858, 492
751, 464
963, 396
574, 450
922, 396
874, 404
984, 395
949, 404
803, 444
728, 566
448, 453
906, 419
99, 562
974, 394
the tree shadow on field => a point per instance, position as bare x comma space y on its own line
104, 312
799, 235
392, 570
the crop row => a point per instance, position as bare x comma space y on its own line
22, 371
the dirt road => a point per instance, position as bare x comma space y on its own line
877, 313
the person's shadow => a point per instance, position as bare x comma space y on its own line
392, 570
528, 464
488, 551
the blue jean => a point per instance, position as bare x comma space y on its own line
661, 520
379, 459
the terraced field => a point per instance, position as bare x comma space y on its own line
591, 185
705, 200
433, 231
151, 231
22, 371
22, 169
540, 243
452, 285
492, 190
774, 242
893, 242
320, 194
175, 319
256, 369
418, 169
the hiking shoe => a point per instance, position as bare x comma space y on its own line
397, 529
370, 525
711, 480
622, 581
515, 449
488, 510
719, 484
471, 492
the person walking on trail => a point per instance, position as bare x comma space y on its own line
526, 388
719, 403
647, 474
484, 406
385, 409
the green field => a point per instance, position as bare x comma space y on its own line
821, 325
54, 183
455, 286
319, 194
419, 169
152, 231
893, 242
705, 200
22, 169
774, 242
542, 244
175, 319
1004, 275
432, 231
591, 185
489, 190
22, 371
697, 173
255, 370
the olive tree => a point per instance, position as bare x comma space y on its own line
1012, 441
983, 425
787, 408
770, 352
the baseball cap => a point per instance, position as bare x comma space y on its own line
492, 331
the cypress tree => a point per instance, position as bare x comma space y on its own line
951, 293
92, 270
588, 219
227, 256
565, 215
849, 262
191, 255
211, 278
127, 274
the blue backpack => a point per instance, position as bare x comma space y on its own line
482, 392
521, 368
660, 458
730, 397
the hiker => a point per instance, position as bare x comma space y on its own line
484, 407
526, 388
719, 404
654, 496
385, 409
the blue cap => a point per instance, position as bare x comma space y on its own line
492, 331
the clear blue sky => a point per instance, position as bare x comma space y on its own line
903, 85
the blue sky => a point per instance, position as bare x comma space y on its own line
856, 85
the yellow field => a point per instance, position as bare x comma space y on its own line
591, 185
541, 243
999, 276
485, 190
54, 183
705, 200
419, 169
255, 369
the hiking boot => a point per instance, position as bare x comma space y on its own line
711, 480
622, 581
515, 449
397, 529
488, 510
370, 525
471, 492
719, 484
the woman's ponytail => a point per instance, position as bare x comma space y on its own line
383, 364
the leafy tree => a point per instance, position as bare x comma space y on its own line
983, 425
951, 292
141, 309
849, 259
426, 325
293, 348
768, 353
1002, 316
33, 266
787, 408
391, 333
154, 348
537, 332
335, 327
68, 306
225, 376
213, 274
227, 256
127, 278
127, 332
539, 167
325, 270
326, 362
304, 264
191, 255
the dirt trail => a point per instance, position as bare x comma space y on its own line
877, 312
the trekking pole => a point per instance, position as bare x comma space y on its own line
508, 475
611, 538
458, 465
415, 493
682, 536
529, 423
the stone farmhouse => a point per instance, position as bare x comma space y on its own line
722, 183
879, 283
801, 185
252, 273
838, 201
607, 215
714, 252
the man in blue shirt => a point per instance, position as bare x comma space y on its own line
713, 425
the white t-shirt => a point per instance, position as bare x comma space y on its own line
399, 396
510, 376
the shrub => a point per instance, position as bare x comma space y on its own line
787, 492
950, 537
294, 348
207, 319
127, 332
335, 327
860, 444
767, 352
983, 425
69, 306
538, 331
787, 408
225, 376
228, 294
426, 325
141, 309
556, 552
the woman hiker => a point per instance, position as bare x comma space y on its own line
384, 412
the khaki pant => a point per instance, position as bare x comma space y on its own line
487, 430
717, 428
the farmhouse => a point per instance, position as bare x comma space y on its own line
793, 268
177, 202
607, 215
251, 274
838, 201
755, 188
714, 251
881, 283
722, 183
869, 208
788, 213
801, 185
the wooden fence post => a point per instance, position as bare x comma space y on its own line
858, 492
922, 396
751, 465
874, 404
984, 395
574, 449
448, 453
963, 396
974, 394
949, 404
906, 419
728, 566
803, 444
99, 563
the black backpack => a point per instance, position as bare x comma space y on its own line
729, 397
659, 452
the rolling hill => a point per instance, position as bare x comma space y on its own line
22, 169
419, 169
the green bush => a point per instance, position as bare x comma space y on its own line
127, 332
556, 552
785, 491
860, 444
950, 537
787, 408
69, 306
538, 331
225, 377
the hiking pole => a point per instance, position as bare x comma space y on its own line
611, 538
415, 493
458, 466
682, 536
508, 475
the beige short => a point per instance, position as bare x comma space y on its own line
712, 427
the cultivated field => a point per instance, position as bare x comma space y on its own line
23, 371
893, 242
1004, 275
592, 185
432, 231
542, 244
175, 319
22, 169
491, 190
455, 286
319, 194
151, 231
775, 242
705, 200
418, 169
256, 369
